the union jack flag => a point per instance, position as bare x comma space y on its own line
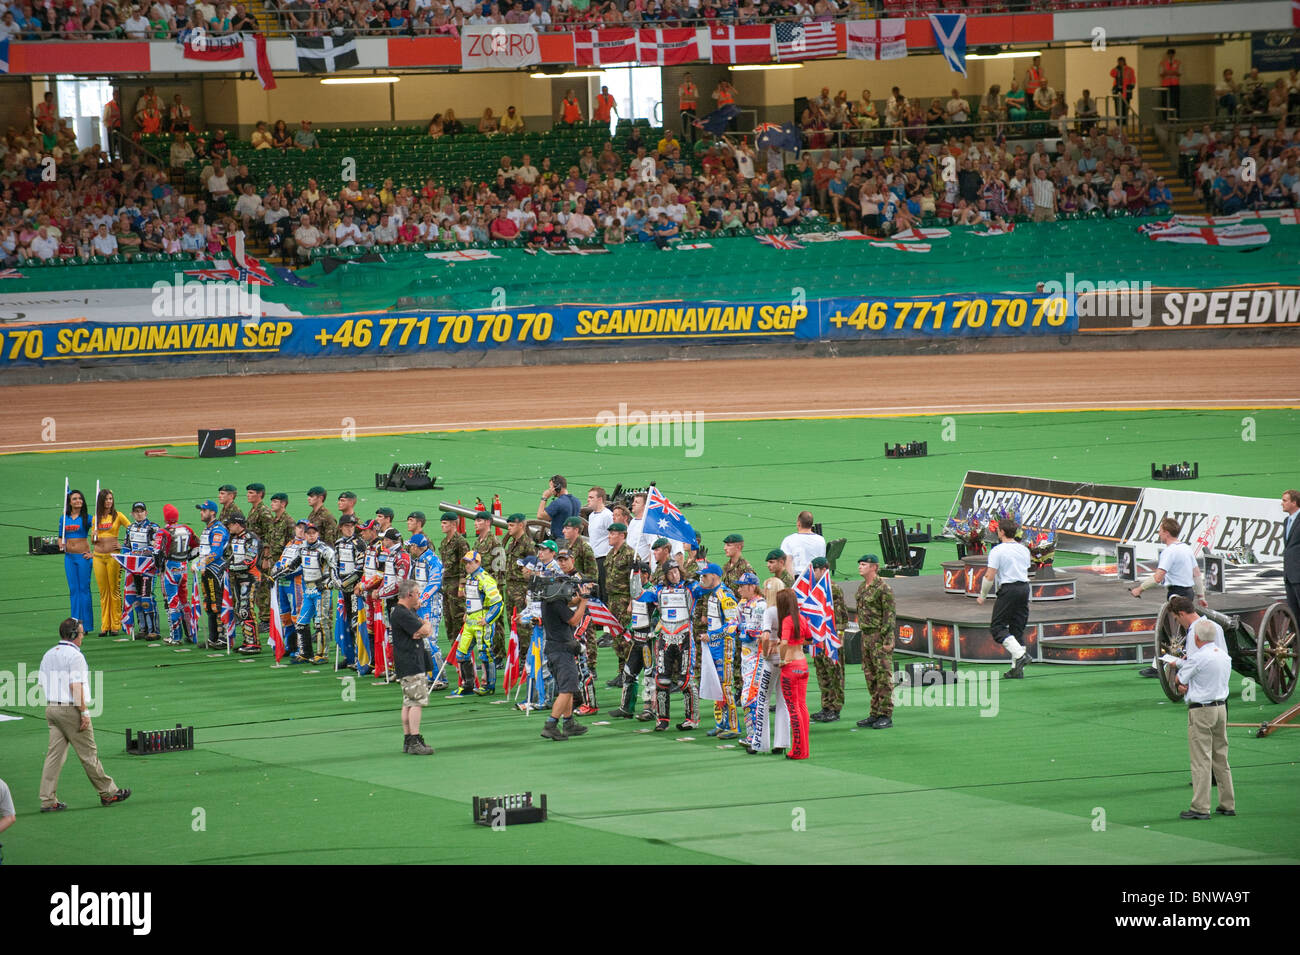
665, 520
11, 274
602, 616
778, 242
240, 267
817, 606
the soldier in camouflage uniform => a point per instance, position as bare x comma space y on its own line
618, 590
875, 602
777, 564
518, 546
323, 519
493, 556
226, 499
259, 525
584, 564
736, 565
452, 553
830, 673
279, 531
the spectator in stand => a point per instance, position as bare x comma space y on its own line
1044, 97
488, 123
261, 138
305, 139
1087, 111
1044, 195
511, 122
1016, 103
451, 126
104, 244
136, 25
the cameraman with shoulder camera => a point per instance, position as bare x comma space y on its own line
563, 606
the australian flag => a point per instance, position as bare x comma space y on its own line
664, 520
783, 136
817, 606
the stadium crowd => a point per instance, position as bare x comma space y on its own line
651, 187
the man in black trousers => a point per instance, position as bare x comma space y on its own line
1291, 550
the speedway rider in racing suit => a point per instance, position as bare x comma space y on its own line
174, 545
315, 560
644, 616
242, 550
674, 649
482, 607
426, 570
349, 556
722, 617
140, 537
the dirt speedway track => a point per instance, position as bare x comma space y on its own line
170, 411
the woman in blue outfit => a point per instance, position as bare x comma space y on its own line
74, 529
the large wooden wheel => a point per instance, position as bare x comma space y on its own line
1275, 652
1170, 638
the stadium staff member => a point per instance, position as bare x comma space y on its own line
1203, 678
559, 617
1291, 549
1009, 566
65, 681
559, 510
412, 662
1176, 568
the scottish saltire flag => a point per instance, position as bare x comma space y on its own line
602, 616
817, 606
664, 520
950, 37
778, 242
276, 624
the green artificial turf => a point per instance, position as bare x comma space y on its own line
290, 768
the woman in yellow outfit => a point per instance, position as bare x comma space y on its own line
108, 572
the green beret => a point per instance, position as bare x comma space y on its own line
868, 559
573, 522
386, 511
515, 518
347, 496
280, 496
733, 539
259, 488
775, 555
227, 487
660, 542
618, 526
819, 562
418, 515
449, 516
317, 490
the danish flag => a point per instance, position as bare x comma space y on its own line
740, 44
602, 47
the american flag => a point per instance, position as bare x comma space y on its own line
778, 242
806, 41
602, 616
817, 606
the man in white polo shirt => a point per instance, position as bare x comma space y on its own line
1009, 570
803, 545
65, 681
598, 521
1176, 569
